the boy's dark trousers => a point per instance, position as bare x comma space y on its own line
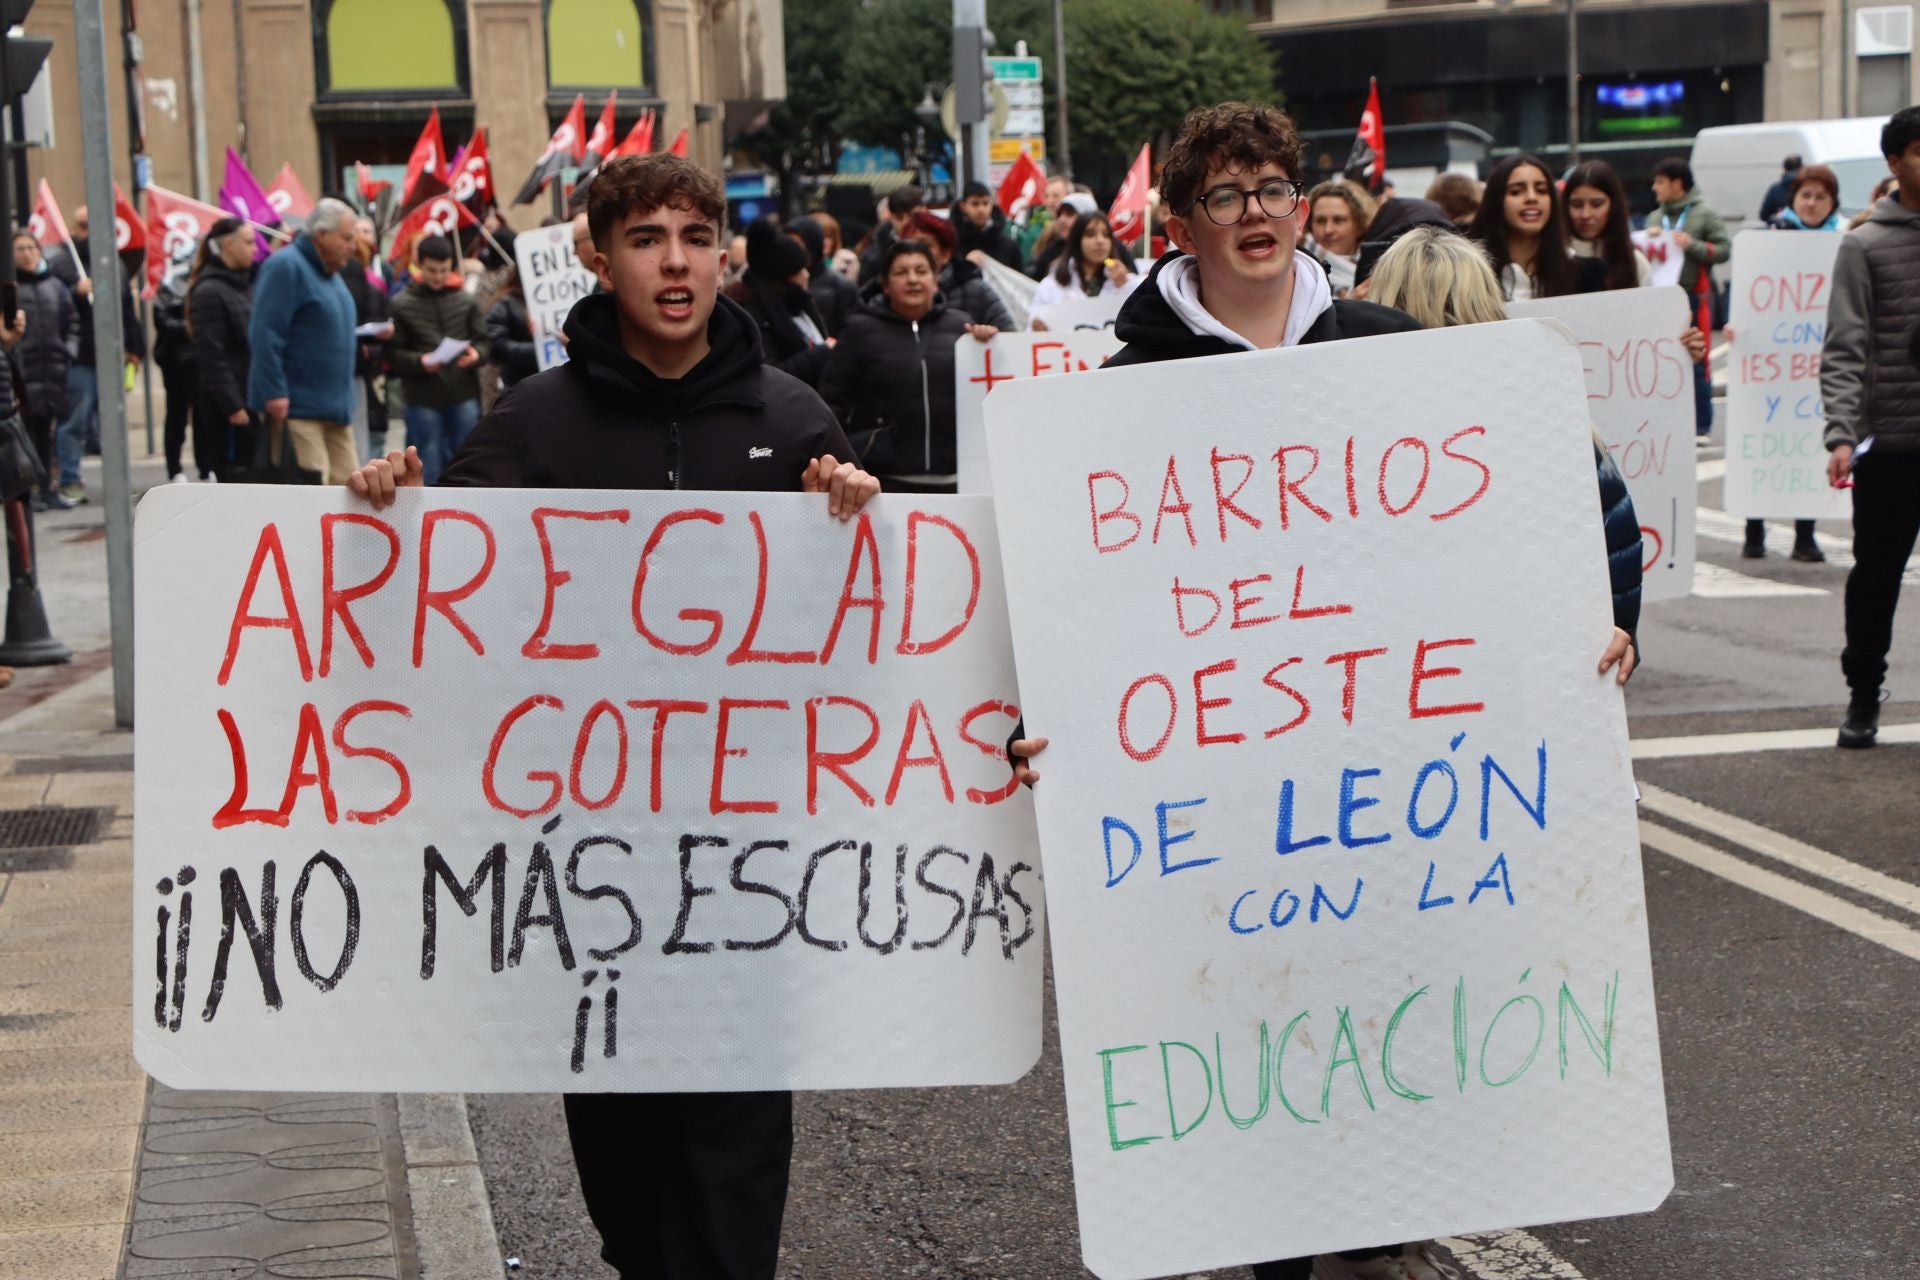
684, 1186
1886, 517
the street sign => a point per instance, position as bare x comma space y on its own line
1020, 80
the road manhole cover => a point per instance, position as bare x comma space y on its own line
48, 827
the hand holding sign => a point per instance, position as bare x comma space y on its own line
380, 479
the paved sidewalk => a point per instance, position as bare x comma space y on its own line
103, 1174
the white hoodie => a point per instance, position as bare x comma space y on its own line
1180, 286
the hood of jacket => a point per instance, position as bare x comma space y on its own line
1890, 211
1164, 316
723, 376
1677, 209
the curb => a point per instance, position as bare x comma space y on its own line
452, 1217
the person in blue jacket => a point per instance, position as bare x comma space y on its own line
301, 379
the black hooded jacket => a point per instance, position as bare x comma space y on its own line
1153, 331
994, 238
774, 306
603, 420
893, 388
834, 296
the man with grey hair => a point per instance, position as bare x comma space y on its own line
301, 378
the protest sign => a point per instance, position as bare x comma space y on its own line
1776, 424
552, 280
1078, 311
577, 790
979, 367
1640, 398
1349, 935
1663, 255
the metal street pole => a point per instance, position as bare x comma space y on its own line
1573, 83
1064, 154
90, 43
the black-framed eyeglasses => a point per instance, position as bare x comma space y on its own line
1226, 205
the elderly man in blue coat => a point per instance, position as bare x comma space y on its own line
301, 377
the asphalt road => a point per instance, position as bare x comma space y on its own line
1789, 1040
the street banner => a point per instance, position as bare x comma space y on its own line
440, 216
426, 165
568, 145
979, 367
639, 139
1640, 398
1663, 255
551, 280
1776, 423
1024, 185
175, 226
242, 196
1367, 161
583, 790
1349, 934
129, 228
1128, 215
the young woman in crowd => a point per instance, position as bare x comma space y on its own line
890, 375
1092, 265
1813, 204
1520, 226
1596, 208
1338, 215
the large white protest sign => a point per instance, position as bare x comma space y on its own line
1349, 934
1664, 256
551, 280
582, 790
1776, 423
979, 367
1640, 397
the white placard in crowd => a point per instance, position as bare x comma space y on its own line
1776, 423
1663, 255
1640, 396
1349, 933
577, 790
979, 367
1078, 311
552, 280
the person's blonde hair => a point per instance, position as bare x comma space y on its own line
1358, 201
1438, 277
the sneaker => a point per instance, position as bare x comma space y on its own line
75, 494
54, 500
178, 477
1421, 1260
1862, 725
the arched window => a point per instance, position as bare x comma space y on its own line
387, 46
597, 44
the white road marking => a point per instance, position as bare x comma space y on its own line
1782, 848
1709, 469
1510, 1255
1739, 744
1721, 527
1817, 903
1717, 582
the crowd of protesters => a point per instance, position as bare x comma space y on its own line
840, 360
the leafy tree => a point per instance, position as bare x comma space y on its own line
802, 133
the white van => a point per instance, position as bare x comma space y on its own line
1733, 165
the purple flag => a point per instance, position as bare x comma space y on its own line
241, 195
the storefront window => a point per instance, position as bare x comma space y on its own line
595, 44
375, 45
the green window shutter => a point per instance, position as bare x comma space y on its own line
390, 44
595, 44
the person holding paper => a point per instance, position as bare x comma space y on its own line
1872, 394
1701, 237
665, 388
439, 340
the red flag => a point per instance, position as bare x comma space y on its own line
129, 228
370, 186
1129, 212
426, 165
639, 139
175, 226
288, 197
600, 144
567, 145
679, 147
1368, 161
48, 224
1023, 186
440, 216
473, 179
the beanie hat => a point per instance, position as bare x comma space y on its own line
773, 253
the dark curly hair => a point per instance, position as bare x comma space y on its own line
641, 184
1239, 135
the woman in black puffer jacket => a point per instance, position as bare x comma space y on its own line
890, 377
219, 309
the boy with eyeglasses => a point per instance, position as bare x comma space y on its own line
1239, 283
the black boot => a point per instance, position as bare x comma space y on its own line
1756, 544
1805, 549
1862, 724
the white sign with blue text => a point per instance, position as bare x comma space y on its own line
552, 279
1348, 925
